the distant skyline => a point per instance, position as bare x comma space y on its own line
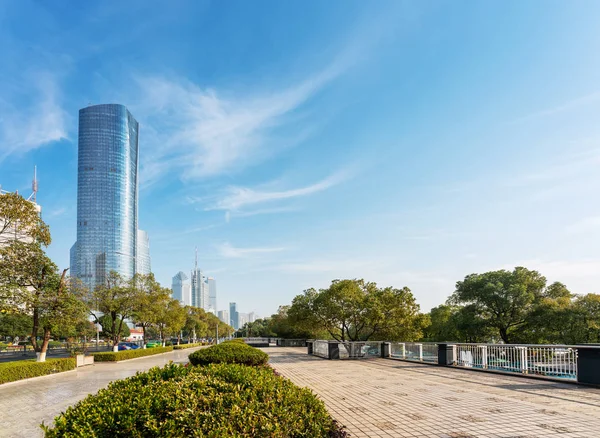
407, 143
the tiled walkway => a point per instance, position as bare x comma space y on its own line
389, 398
24, 405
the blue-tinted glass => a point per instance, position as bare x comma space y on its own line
107, 223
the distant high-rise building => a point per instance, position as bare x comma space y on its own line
242, 319
212, 293
234, 316
182, 289
107, 195
224, 316
251, 317
143, 253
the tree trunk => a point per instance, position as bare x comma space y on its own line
34, 330
144, 336
504, 335
41, 356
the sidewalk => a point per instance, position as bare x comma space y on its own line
391, 398
24, 405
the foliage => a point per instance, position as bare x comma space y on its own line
151, 299
260, 328
355, 310
503, 299
107, 325
36, 287
184, 346
19, 216
115, 298
217, 400
15, 325
24, 369
170, 318
115, 356
229, 352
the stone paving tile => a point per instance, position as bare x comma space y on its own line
24, 405
389, 398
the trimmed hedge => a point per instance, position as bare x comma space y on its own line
184, 346
111, 356
229, 352
24, 369
219, 400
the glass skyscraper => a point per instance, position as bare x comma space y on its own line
107, 196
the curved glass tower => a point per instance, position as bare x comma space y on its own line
107, 194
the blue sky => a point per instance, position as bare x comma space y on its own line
407, 143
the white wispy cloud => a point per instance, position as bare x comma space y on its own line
39, 123
56, 212
236, 198
563, 107
199, 132
229, 251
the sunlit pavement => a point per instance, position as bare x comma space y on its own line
24, 405
390, 398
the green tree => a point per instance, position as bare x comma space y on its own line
503, 299
108, 326
116, 298
151, 298
15, 325
20, 220
31, 282
171, 319
353, 310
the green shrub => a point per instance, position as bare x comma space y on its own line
24, 369
184, 346
3, 346
111, 356
55, 344
235, 340
219, 400
229, 352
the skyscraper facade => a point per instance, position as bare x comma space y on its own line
199, 288
233, 316
107, 195
182, 289
212, 294
143, 253
224, 316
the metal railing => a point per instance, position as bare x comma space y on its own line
418, 351
321, 349
358, 350
556, 361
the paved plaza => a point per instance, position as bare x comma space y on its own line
392, 398
25, 404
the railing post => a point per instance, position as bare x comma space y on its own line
446, 354
420, 347
333, 350
522, 358
588, 365
386, 349
309, 347
484, 356
403, 349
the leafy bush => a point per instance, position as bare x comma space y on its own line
235, 340
229, 352
24, 369
55, 344
219, 400
128, 354
192, 345
3, 346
